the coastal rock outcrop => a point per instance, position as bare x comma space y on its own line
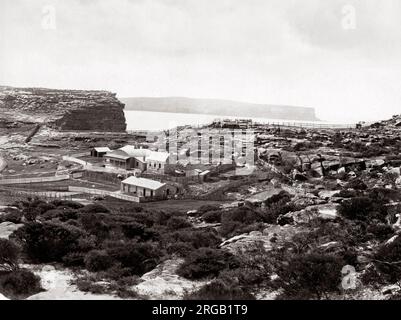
62, 109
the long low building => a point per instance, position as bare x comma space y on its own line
147, 188
142, 187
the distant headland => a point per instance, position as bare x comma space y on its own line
219, 107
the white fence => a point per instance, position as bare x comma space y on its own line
76, 160
104, 193
81, 154
34, 180
90, 167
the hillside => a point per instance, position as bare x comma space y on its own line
219, 107
62, 109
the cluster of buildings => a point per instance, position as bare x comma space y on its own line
132, 158
144, 168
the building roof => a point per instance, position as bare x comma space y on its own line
139, 154
117, 154
144, 183
204, 173
157, 156
102, 149
141, 159
133, 152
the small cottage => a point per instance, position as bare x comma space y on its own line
99, 152
142, 187
128, 157
119, 159
156, 162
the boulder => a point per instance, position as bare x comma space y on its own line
328, 212
329, 245
3, 297
7, 228
341, 170
163, 283
390, 289
327, 194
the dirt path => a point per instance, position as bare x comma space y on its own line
57, 284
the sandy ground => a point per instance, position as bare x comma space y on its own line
3, 297
58, 287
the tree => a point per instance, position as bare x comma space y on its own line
9, 254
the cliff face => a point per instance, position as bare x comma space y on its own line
63, 109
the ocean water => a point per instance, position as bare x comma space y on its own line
144, 120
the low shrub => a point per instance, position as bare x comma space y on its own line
9, 254
207, 208
63, 214
181, 249
207, 263
20, 283
234, 220
139, 258
380, 231
387, 260
48, 242
74, 259
178, 223
212, 216
196, 238
98, 260
346, 194
88, 286
362, 208
356, 184
67, 204
220, 290
312, 275
94, 208
14, 217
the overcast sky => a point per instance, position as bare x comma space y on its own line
307, 53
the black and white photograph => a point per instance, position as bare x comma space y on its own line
194, 151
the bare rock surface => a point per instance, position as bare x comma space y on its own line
62, 109
271, 235
7, 228
323, 211
164, 283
